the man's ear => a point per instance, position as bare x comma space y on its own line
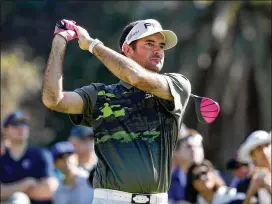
127, 50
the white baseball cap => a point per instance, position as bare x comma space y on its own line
255, 139
148, 27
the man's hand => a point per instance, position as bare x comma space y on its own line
84, 39
258, 181
69, 33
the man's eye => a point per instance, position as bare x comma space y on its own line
162, 46
150, 44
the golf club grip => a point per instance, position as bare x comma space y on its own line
61, 24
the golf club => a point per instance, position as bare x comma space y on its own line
206, 109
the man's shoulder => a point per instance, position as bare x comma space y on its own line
38, 153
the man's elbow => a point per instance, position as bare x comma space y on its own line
50, 102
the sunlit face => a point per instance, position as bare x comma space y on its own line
192, 150
17, 132
204, 178
261, 155
149, 52
205, 181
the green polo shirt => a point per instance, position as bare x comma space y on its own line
135, 133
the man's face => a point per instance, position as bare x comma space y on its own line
66, 162
205, 180
191, 149
149, 52
17, 132
241, 172
82, 146
261, 155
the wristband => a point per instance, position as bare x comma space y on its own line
93, 44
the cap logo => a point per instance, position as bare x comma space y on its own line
132, 34
149, 24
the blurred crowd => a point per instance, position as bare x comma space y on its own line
61, 174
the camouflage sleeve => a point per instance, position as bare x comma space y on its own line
180, 88
89, 96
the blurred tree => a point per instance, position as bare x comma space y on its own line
20, 82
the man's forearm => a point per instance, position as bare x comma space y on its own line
52, 82
8, 189
250, 194
43, 190
124, 68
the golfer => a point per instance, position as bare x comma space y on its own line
135, 121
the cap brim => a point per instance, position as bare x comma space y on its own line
170, 38
60, 154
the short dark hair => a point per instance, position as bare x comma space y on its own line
233, 164
124, 34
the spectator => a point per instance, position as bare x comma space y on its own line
25, 168
2, 143
189, 149
204, 185
182, 133
257, 149
74, 189
83, 141
239, 170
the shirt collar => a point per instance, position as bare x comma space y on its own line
126, 85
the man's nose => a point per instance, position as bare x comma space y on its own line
158, 50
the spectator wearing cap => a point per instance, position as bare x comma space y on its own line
83, 141
189, 149
74, 188
25, 168
239, 170
257, 149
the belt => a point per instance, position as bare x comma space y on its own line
158, 198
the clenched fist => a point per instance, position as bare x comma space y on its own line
84, 39
68, 33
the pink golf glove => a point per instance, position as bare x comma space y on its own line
68, 33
